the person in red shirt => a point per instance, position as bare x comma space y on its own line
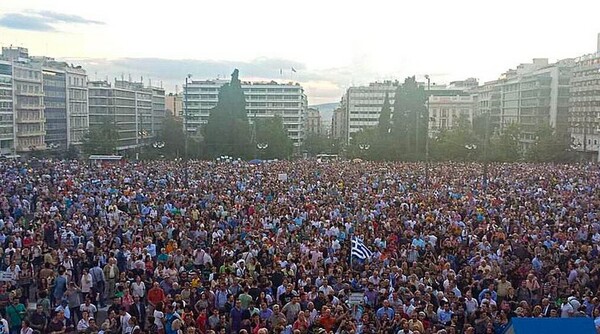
155, 295
201, 321
327, 320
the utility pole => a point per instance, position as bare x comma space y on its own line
485, 151
427, 136
185, 128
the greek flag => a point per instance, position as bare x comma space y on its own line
360, 250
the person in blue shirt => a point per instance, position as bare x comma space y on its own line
385, 309
444, 314
490, 290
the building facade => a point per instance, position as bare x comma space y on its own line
263, 100
362, 106
158, 110
136, 111
7, 126
49, 102
584, 111
339, 125
531, 95
449, 107
314, 124
174, 104
28, 106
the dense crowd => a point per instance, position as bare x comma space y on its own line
229, 247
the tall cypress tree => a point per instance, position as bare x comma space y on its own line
385, 117
228, 131
409, 126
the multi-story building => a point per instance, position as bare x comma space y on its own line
158, 109
339, 125
448, 107
133, 108
584, 111
65, 102
49, 101
7, 128
314, 124
362, 105
531, 95
263, 100
28, 106
174, 104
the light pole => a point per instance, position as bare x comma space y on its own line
261, 148
364, 148
485, 149
427, 134
185, 126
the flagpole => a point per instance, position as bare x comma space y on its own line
351, 252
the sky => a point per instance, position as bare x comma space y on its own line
331, 44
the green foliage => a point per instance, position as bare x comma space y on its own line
272, 132
550, 146
318, 144
101, 139
227, 131
384, 126
457, 144
173, 137
506, 146
409, 121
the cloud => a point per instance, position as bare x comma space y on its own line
25, 22
43, 21
66, 18
321, 85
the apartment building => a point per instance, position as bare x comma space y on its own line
263, 100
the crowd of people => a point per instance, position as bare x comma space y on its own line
229, 247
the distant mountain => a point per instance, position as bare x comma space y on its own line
326, 110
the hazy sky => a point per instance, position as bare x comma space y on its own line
331, 44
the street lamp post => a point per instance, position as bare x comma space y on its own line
364, 148
427, 134
185, 126
485, 149
261, 148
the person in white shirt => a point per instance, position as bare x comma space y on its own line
86, 283
124, 318
138, 288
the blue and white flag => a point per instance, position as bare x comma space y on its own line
359, 249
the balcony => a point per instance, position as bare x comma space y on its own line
29, 106
24, 93
34, 133
31, 120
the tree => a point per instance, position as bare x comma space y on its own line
550, 146
409, 123
316, 144
272, 132
384, 126
173, 137
101, 139
458, 144
506, 146
227, 131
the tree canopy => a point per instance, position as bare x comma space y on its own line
101, 139
227, 131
